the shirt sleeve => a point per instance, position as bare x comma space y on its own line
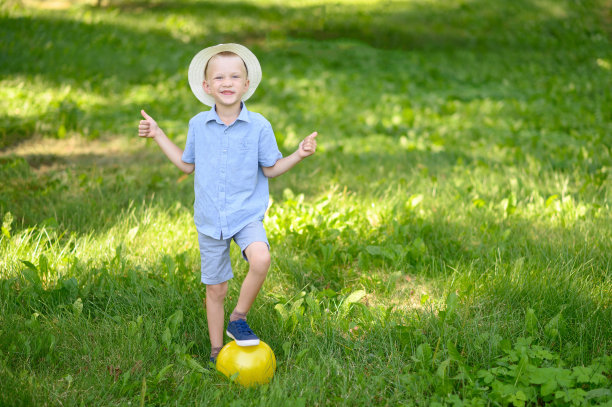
189, 153
269, 153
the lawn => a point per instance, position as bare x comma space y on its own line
449, 244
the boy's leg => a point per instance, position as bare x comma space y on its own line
253, 242
259, 263
215, 294
216, 271
254, 245
258, 255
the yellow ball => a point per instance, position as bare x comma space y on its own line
252, 364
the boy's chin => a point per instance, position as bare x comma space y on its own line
228, 103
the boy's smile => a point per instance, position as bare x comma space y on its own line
226, 80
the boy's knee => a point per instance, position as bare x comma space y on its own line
259, 256
216, 292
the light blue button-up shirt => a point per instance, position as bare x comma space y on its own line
231, 189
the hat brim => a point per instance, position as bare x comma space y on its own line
198, 63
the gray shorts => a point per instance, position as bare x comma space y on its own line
215, 253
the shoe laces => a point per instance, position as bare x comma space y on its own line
243, 327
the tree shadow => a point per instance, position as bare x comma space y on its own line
395, 25
87, 193
95, 63
63, 50
86, 69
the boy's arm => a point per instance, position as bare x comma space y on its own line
148, 128
307, 147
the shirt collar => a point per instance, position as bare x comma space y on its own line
243, 116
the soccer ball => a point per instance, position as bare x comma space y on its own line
247, 365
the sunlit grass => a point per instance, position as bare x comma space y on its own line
458, 203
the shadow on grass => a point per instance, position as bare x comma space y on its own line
88, 55
395, 25
105, 59
87, 192
497, 276
84, 68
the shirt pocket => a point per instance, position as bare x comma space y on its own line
246, 144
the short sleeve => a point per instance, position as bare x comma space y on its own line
189, 153
269, 153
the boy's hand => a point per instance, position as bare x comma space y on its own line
147, 127
308, 146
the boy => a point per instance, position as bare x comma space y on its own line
233, 153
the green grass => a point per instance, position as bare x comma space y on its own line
449, 243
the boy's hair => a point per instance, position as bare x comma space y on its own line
225, 54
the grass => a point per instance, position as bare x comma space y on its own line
449, 243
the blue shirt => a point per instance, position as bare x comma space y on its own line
231, 189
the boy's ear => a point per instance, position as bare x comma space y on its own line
206, 87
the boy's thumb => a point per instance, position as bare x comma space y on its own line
144, 114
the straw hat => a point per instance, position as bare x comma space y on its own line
198, 63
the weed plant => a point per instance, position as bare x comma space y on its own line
449, 244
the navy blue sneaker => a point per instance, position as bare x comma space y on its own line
240, 332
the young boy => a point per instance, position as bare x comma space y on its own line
233, 153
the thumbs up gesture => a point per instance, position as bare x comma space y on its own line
147, 127
308, 146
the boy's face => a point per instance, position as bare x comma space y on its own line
226, 80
